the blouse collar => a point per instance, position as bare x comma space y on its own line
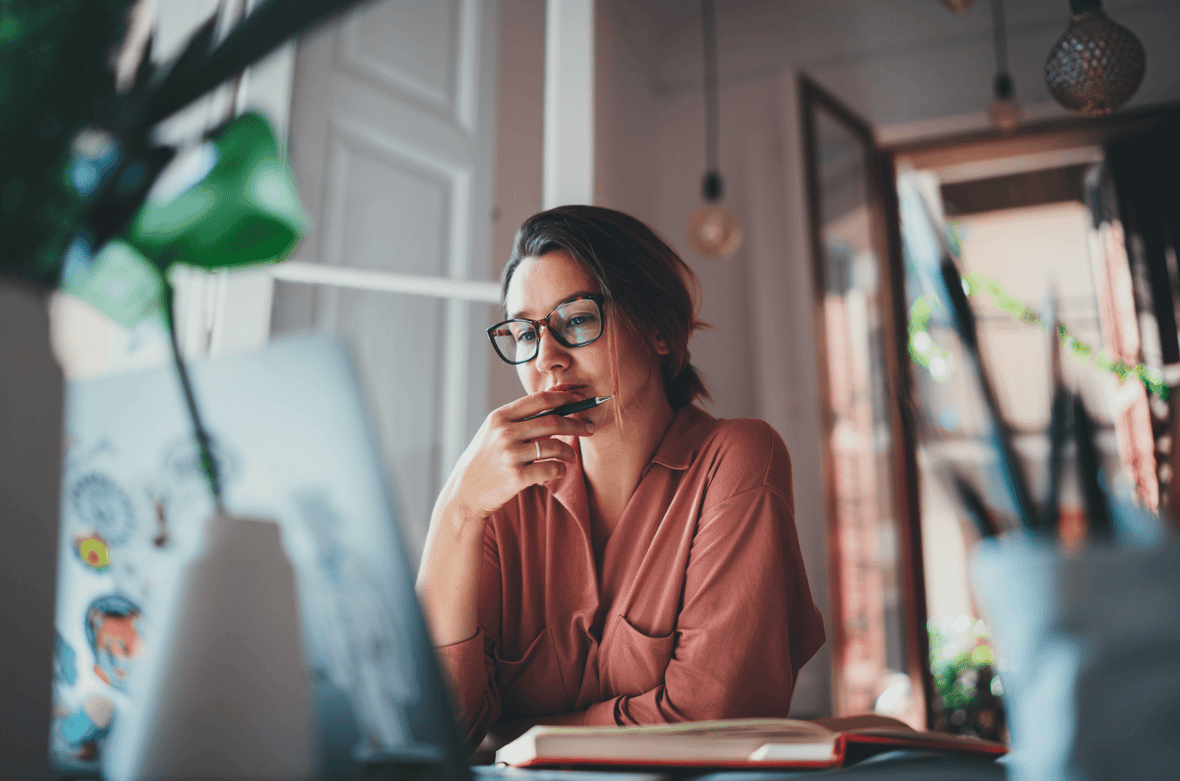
677, 450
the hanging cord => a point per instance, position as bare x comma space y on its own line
204, 449
712, 110
1001, 40
1003, 86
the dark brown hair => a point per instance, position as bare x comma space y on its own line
645, 284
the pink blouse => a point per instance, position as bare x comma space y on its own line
699, 607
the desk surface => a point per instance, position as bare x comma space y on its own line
889, 766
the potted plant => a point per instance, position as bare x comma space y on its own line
80, 99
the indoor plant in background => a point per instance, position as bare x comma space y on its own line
967, 687
80, 98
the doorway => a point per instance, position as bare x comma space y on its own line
1049, 207
1038, 225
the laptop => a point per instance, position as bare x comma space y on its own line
292, 437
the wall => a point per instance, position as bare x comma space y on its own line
519, 130
627, 136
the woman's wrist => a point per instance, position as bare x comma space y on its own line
458, 517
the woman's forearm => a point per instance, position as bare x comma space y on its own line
448, 577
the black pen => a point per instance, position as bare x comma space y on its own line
569, 409
976, 510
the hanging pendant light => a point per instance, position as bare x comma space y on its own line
1004, 110
713, 230
1096, 65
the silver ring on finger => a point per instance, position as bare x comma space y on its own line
537, 444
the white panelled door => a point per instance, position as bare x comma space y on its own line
392, 138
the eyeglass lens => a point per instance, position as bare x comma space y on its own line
574, 324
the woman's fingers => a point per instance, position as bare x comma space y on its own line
544, 471
510, 418
544, 449
509, 454
554, 426
541, 401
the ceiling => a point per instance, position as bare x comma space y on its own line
894, 61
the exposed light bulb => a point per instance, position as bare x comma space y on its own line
1004, 111
1005, 114
713, 230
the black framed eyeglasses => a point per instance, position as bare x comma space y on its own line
576, 323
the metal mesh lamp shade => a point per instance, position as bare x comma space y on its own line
1096, 65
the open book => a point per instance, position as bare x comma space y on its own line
731, 743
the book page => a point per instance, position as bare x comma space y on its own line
727, 740
863, 721
720, 727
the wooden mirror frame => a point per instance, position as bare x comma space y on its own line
886, 246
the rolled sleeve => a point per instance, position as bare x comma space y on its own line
470, 664
465, 666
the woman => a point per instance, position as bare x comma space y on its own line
632, 563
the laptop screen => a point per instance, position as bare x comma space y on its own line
293, 444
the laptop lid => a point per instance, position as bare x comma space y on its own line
294, 444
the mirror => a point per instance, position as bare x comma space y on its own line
876, 663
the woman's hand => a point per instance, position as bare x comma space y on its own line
508, 454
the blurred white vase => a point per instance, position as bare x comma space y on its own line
226, 697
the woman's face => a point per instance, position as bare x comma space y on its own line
541, 283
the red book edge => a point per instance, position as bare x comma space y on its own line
948, 746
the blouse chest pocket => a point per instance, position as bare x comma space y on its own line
632, 662
533, 685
